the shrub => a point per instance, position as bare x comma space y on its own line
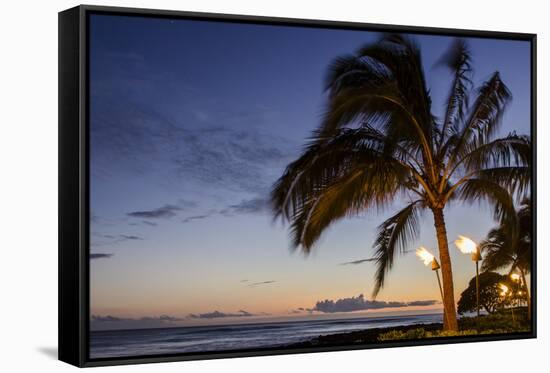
420, 333
399, 334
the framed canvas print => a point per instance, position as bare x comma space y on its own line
237, 186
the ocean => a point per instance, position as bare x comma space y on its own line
120, 343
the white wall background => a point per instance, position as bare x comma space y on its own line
28, 184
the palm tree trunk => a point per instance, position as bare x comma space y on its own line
527, 291
449, 307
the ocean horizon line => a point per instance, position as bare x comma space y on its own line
262, 320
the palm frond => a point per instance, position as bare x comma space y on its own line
504, 249
479, 190
383, 85
485, 115
359, 189
457, 59
325, 160
394, 235
507, 161
496, 250
506, 151
291, 185
515, 179
379, 106
401, 55
355, 72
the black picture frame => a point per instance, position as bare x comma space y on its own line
74, 215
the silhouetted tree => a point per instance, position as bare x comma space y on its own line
490, 297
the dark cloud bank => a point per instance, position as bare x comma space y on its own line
359, 303
109, 322
109, 318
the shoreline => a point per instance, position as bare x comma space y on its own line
366, 336
500, 323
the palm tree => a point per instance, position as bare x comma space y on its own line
379, 140
503, 249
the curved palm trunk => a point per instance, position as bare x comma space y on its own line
450, 322
528, 294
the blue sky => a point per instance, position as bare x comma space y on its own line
192, 122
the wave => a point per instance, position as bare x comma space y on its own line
195, 339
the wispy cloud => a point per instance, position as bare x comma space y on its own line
235, 159
143, 222
121, 237
262, 283
299, 310
218, 314
99, 239
359, 303
149, 223
100, 256
164, 212
255, 205
248, 206
131, 237
191, 146
195, 217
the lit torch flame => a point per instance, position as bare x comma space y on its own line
466, 245
504, 289
425, 256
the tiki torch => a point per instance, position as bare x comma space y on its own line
467, 246
430, 260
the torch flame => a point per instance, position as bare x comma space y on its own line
425, 256
504, 289
466, 245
